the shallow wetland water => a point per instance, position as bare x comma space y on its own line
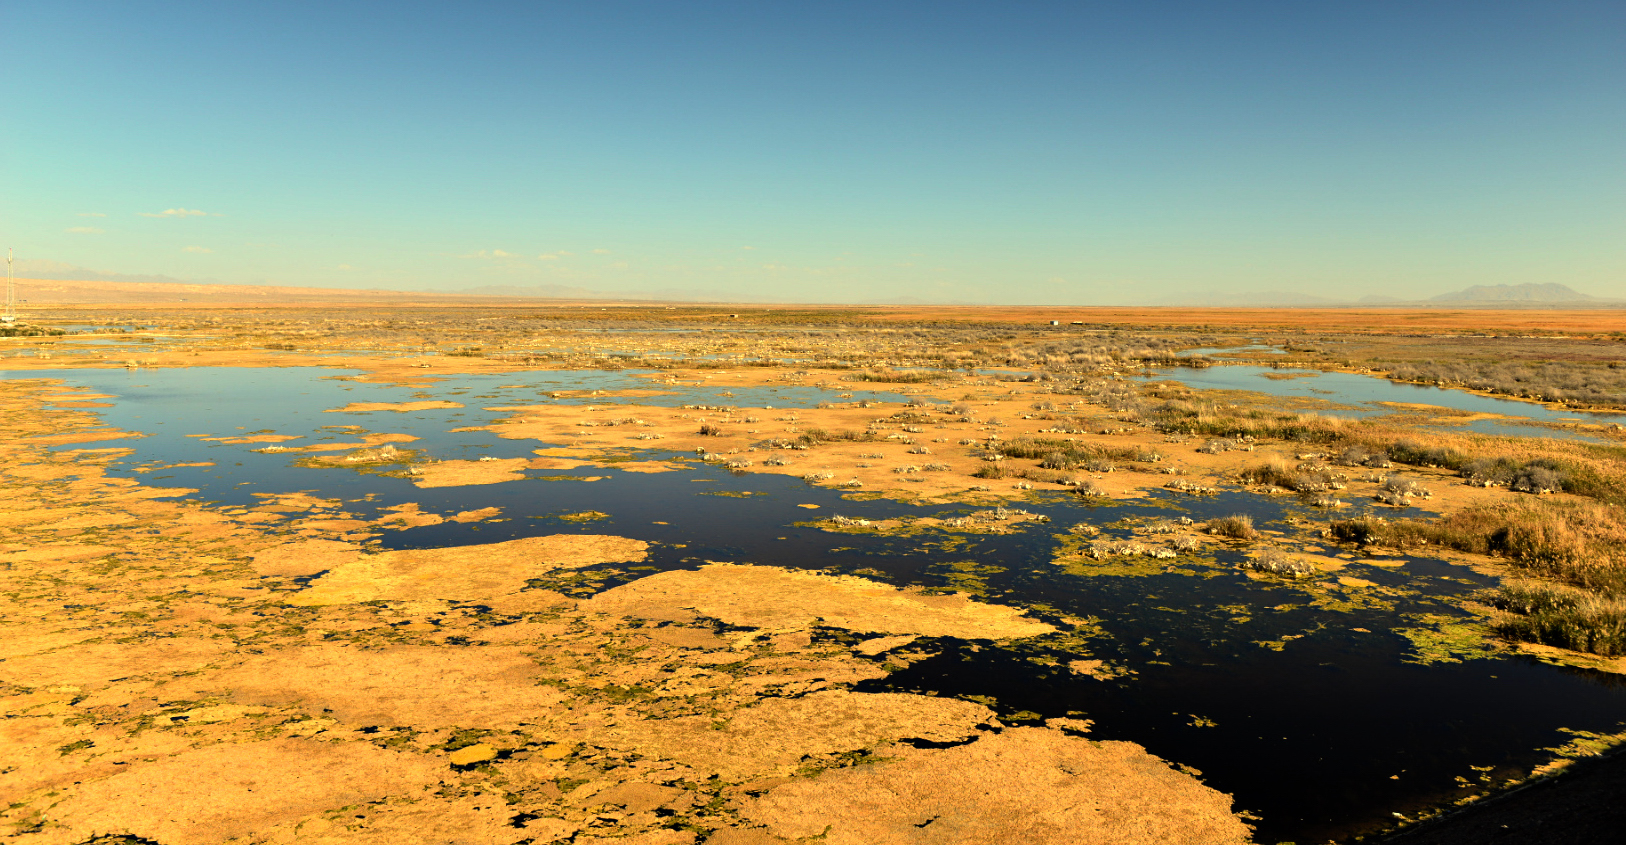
1326, 706
1361, 395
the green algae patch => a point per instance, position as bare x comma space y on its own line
1449, 640
967, 576
1589, 743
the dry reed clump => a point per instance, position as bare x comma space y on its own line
1237, 527
1067, 455
991, 469
1212, 421
913, 377
816, 436
709, 430
1561, 616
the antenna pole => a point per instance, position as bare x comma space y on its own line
11, 296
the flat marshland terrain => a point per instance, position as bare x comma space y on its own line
665, 575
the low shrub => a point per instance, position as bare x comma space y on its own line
1275, 562
815, 436
1541, 475
1090, 489
1407, 451
992, 469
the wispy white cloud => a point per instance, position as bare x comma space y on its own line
178, 212
346, 267
84, 230
747, 247
489, 253
601, 252
198, 249
547, 256
90, 214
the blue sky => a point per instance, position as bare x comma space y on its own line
1013, 152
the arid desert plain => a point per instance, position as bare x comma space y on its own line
650, 574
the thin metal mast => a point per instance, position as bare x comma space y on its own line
11, 294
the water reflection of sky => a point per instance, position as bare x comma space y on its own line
175, 408
1234, 350
1360, 390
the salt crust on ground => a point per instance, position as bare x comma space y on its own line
767, 597
464, 573
1025, 786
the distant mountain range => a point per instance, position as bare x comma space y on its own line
1527, 295
564, 292
67, 283
1527, 292
1252, 299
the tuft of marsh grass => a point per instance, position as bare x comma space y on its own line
1561, 616
1305, 478
1237, 527
815, 436
915, 377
